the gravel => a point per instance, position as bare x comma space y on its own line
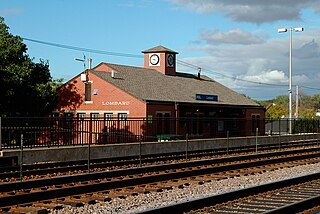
142, 202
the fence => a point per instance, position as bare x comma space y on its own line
46, 132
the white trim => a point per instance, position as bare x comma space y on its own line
88, 112
163, 112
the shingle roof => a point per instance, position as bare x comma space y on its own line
150, 85
158, 48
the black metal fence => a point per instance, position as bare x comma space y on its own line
46, 132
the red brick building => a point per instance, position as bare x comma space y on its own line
174, 102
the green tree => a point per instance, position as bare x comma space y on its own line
26, 87
276, 111
282, 100
316, 101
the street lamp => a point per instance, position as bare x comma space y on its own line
283, 30
270, 105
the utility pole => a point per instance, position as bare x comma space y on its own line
297, 101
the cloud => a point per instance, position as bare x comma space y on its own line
133, 4
234, 36
10, 11
271, 77
308, 50
237, 66
252, 11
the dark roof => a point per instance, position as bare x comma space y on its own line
159, 48
151, 85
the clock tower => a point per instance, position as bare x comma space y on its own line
161, 59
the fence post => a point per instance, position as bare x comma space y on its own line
227, 142
187, 146
279, 140
140, 150
0, 136
21, 157
90, 140
257, 133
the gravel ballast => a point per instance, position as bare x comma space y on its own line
142, 202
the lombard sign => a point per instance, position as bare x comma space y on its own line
206, 97
116, 103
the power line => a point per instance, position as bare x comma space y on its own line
183, 63
186, 64
83, 49
227, 76
307, 87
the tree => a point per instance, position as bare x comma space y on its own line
316, 101
26, 87
276, 111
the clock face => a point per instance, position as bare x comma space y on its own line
170, 60
154, 59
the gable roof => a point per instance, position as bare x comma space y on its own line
159, 48
150, 85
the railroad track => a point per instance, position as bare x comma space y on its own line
90, 188
38, 171
286, 196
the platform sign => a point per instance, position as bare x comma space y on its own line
206, 97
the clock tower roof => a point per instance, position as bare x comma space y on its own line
159, 49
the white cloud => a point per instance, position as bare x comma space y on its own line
252, 11
10, 11
273, 77
236, 66
234, 36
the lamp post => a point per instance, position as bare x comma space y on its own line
283, 30
270, 105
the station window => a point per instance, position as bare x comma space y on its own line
68, 115
108, 116
55, 115
94, 116
255, 122
122, 116
81, 116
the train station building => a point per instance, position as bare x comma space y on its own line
169, 101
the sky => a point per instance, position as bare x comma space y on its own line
235, 42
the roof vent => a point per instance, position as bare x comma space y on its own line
112, 73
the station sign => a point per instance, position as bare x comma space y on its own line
116, 103
206, 97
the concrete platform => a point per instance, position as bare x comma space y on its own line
69, 153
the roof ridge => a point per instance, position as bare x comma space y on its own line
159, 48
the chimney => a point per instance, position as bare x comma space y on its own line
199, 71
90, 62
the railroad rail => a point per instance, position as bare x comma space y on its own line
36, 171
102, 186
286, 196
